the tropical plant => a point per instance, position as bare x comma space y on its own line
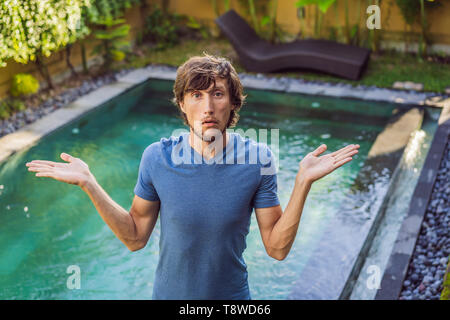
321, 7
414, 11
263, 15
275, 31
112, 34
227, 5
161, 28
251, 6
198, 27
335, 31
215, 8
24, 84
100, 11
253, 9
214, 31
30, 30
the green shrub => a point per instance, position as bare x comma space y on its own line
161, 28
445, 294
24, 84
113, 45
117, 55
198, 27
9, 106
4, 110
16, 105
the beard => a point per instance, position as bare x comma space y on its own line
215, 133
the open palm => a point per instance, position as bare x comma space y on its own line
76, 171
315, 167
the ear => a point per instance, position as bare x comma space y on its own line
182, 106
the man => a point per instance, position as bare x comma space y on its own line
204, 190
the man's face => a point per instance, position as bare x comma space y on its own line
208, 111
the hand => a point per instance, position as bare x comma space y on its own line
313, 167
75, 172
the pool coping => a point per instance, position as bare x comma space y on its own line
31, 133
399, 259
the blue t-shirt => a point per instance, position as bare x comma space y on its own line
205, 213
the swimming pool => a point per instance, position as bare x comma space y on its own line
47, 226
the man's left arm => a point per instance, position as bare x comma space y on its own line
278, 229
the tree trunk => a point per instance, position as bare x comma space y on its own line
251, 6
165, 6
273, 21
347, 24
215, 8
358, 24
337, 22
68, 62
43, 70
106, 56
423, 48
84, 58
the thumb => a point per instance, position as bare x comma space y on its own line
66, 157
319, 150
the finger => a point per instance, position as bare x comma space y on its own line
39, 168
319, 150
37, 165
51, 163
342, 150
340, 163
46, 163
67, 157
345, 149
345, 155
46, 174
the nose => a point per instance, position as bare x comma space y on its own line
208, 105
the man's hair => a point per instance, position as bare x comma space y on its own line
199, 72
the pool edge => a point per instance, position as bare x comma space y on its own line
346, 253
399, 259
28, 135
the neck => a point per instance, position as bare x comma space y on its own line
208, 149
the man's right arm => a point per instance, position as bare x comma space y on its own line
132, 228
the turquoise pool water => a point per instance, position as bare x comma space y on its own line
47, 226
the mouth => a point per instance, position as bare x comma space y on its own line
209, 123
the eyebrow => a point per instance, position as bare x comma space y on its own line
218, 87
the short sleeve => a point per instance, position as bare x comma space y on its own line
266, 193
144, 187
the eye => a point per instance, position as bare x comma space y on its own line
196, 94
218, 94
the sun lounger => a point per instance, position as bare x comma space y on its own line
258, 55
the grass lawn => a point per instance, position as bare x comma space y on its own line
445, 294
383, 69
